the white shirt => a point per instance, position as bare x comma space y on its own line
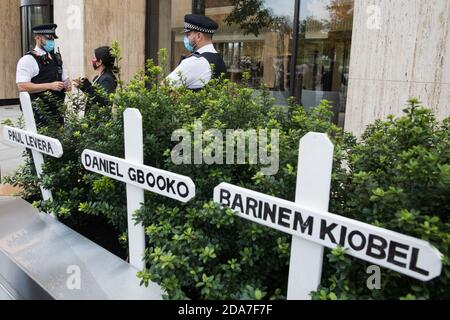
194, 72
28, 68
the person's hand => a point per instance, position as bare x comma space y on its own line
68, 85
76, 82
57, 86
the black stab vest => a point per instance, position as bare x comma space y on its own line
50, 70
216, 60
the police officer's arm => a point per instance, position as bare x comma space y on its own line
177, 77
26, 70
40, 87
191, 71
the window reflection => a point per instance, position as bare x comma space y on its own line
324, 53
264, 54
33, 15
260, 42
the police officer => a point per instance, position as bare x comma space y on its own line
41, 71
195, 70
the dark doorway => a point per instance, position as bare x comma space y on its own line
32, 13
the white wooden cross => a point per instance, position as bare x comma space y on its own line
138, 178
29, 139
314, 228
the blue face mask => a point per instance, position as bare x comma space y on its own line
188, 45
49, 46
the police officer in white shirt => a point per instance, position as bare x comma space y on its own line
194, 71
41, 71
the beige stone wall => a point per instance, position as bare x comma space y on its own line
69, 18
121, 20
10, 37
406, 54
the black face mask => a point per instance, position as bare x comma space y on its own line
94, 64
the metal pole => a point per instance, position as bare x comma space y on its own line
295, 34
198, 7
49, 11
152, 30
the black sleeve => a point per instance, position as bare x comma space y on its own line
86, 87
108, 84
91, 91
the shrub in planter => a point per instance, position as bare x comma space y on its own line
197, 249
398, 178
203, 252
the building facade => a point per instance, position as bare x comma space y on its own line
366, 56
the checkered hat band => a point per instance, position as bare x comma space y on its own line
191, 27
44, 31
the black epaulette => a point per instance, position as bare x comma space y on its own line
32, 53
196, 55
42, 59
184, 57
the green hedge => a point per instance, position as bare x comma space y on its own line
396, 176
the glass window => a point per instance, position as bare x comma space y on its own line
33, 15
257, 37
324, 53
263, 49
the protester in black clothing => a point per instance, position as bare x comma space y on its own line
105, 80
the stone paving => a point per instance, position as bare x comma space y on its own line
10, 157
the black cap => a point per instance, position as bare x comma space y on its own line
45, 29
200, 23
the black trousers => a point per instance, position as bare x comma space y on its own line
48, 114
